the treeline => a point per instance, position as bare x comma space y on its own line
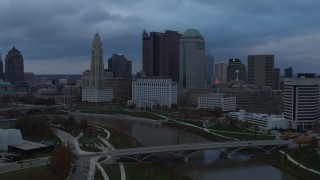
33, 127
27, 99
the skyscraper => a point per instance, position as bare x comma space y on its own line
1, 68
220, 73
288, 72
14, 71
260, 70
192, 59
236, 70
301, 102
93, 80
276, 78
160, 54
209, 70
120, 66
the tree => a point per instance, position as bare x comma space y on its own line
174, 106
61, 161
84, 124
217, 112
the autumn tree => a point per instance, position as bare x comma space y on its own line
61, 161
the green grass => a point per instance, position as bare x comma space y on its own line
98, 175
87, 138
144, 171
241, 136
145, 115
53, 138
112, 170
23, 174
307, 156
120, 140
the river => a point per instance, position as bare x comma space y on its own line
205, 165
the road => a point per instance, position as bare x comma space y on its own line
5, 167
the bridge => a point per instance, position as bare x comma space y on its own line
185, 151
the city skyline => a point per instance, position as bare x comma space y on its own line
54, 36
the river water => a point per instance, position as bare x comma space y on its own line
205, 165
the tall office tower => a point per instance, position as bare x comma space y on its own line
302, 102
14, 71
276, 79
260, 70
288, 72
192, 59
209, 70
220, 73
1, 68
160, 54
120, 66
236, 70
93, 87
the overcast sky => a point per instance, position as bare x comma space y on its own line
55, 36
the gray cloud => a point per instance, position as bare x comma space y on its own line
49, 33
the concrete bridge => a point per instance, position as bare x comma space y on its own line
185, 151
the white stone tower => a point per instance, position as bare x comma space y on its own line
96, 66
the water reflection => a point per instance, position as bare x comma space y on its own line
204, 165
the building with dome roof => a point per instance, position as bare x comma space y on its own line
14, 68
192, 59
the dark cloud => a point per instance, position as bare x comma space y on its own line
49, 33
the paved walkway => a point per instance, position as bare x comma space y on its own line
298, 164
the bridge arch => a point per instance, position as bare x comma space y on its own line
238, 149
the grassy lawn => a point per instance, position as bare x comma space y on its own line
86, 138
120, 140
99, 131
113, 171
55, 139
23, 174
122, 112
98, 175
307, 156
144, 171
278, 160
241, 136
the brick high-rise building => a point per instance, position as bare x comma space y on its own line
276, 78
260, 70
160, 54
14, 70
236, 70
120, 66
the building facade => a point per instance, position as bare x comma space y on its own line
260, 70
210, 101
209, 70
1, 68
276, 79
236, 71
248, 96
262, 121
93, 81
192, 59
220, 73
120, 66
302, 102
288, 72
14, 69
160, 54
160, 91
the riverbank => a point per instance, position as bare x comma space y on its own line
279, 161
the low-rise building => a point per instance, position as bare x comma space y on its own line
162, 91
262, 121
97, 95
225, 101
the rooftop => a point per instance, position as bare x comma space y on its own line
191, 33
